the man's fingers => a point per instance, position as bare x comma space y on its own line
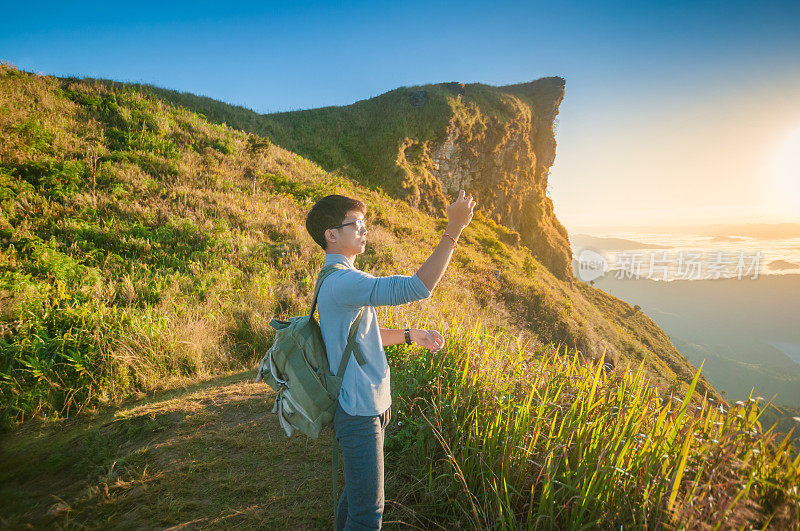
462, 195
436, 339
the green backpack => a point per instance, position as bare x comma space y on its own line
297, 367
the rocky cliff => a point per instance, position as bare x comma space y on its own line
502, 157
424, 143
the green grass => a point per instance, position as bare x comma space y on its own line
145, 248
496, 435
491, 432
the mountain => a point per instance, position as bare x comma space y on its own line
760, 231
425, 143
781, 265
134, 227
744, 329
422, 144
579, 241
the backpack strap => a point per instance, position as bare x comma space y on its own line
324, 273
352, 346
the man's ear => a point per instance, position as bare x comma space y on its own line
330, 236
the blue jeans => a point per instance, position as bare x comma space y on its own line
361, 439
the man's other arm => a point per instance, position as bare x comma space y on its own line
430, 339
392, 336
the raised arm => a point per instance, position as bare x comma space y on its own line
459, 214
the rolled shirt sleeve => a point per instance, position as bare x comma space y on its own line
355, 288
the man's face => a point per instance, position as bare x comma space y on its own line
350, 239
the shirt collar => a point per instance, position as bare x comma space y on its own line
336, 258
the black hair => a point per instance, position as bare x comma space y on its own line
329, 212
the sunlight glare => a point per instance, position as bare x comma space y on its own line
786, 174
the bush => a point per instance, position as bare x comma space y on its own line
53, 179
36, 137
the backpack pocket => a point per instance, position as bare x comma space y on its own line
279, 324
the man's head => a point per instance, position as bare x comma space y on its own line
333, 224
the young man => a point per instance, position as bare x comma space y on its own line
336, 223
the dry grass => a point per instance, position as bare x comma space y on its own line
200, 457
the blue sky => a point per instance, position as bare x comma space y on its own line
629, 67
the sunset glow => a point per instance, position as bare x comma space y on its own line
785, 174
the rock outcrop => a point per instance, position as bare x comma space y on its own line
502, 157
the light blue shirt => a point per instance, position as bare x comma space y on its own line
365, 390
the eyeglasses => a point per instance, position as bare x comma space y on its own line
359, 223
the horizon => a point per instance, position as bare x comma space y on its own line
689, 227
686, 114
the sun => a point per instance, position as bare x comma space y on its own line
785, 174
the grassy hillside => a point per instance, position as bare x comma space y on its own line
488, 433
423, 144
351, 139
136, 227
583, 318
145, 248
361, 139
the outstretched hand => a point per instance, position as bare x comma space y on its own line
429, 339
461, 210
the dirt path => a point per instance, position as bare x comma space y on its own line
207, 456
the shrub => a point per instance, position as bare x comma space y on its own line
53, 179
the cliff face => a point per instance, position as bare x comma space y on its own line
503, 158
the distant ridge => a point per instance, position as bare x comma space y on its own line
615, 244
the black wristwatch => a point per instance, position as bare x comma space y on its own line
408, 336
